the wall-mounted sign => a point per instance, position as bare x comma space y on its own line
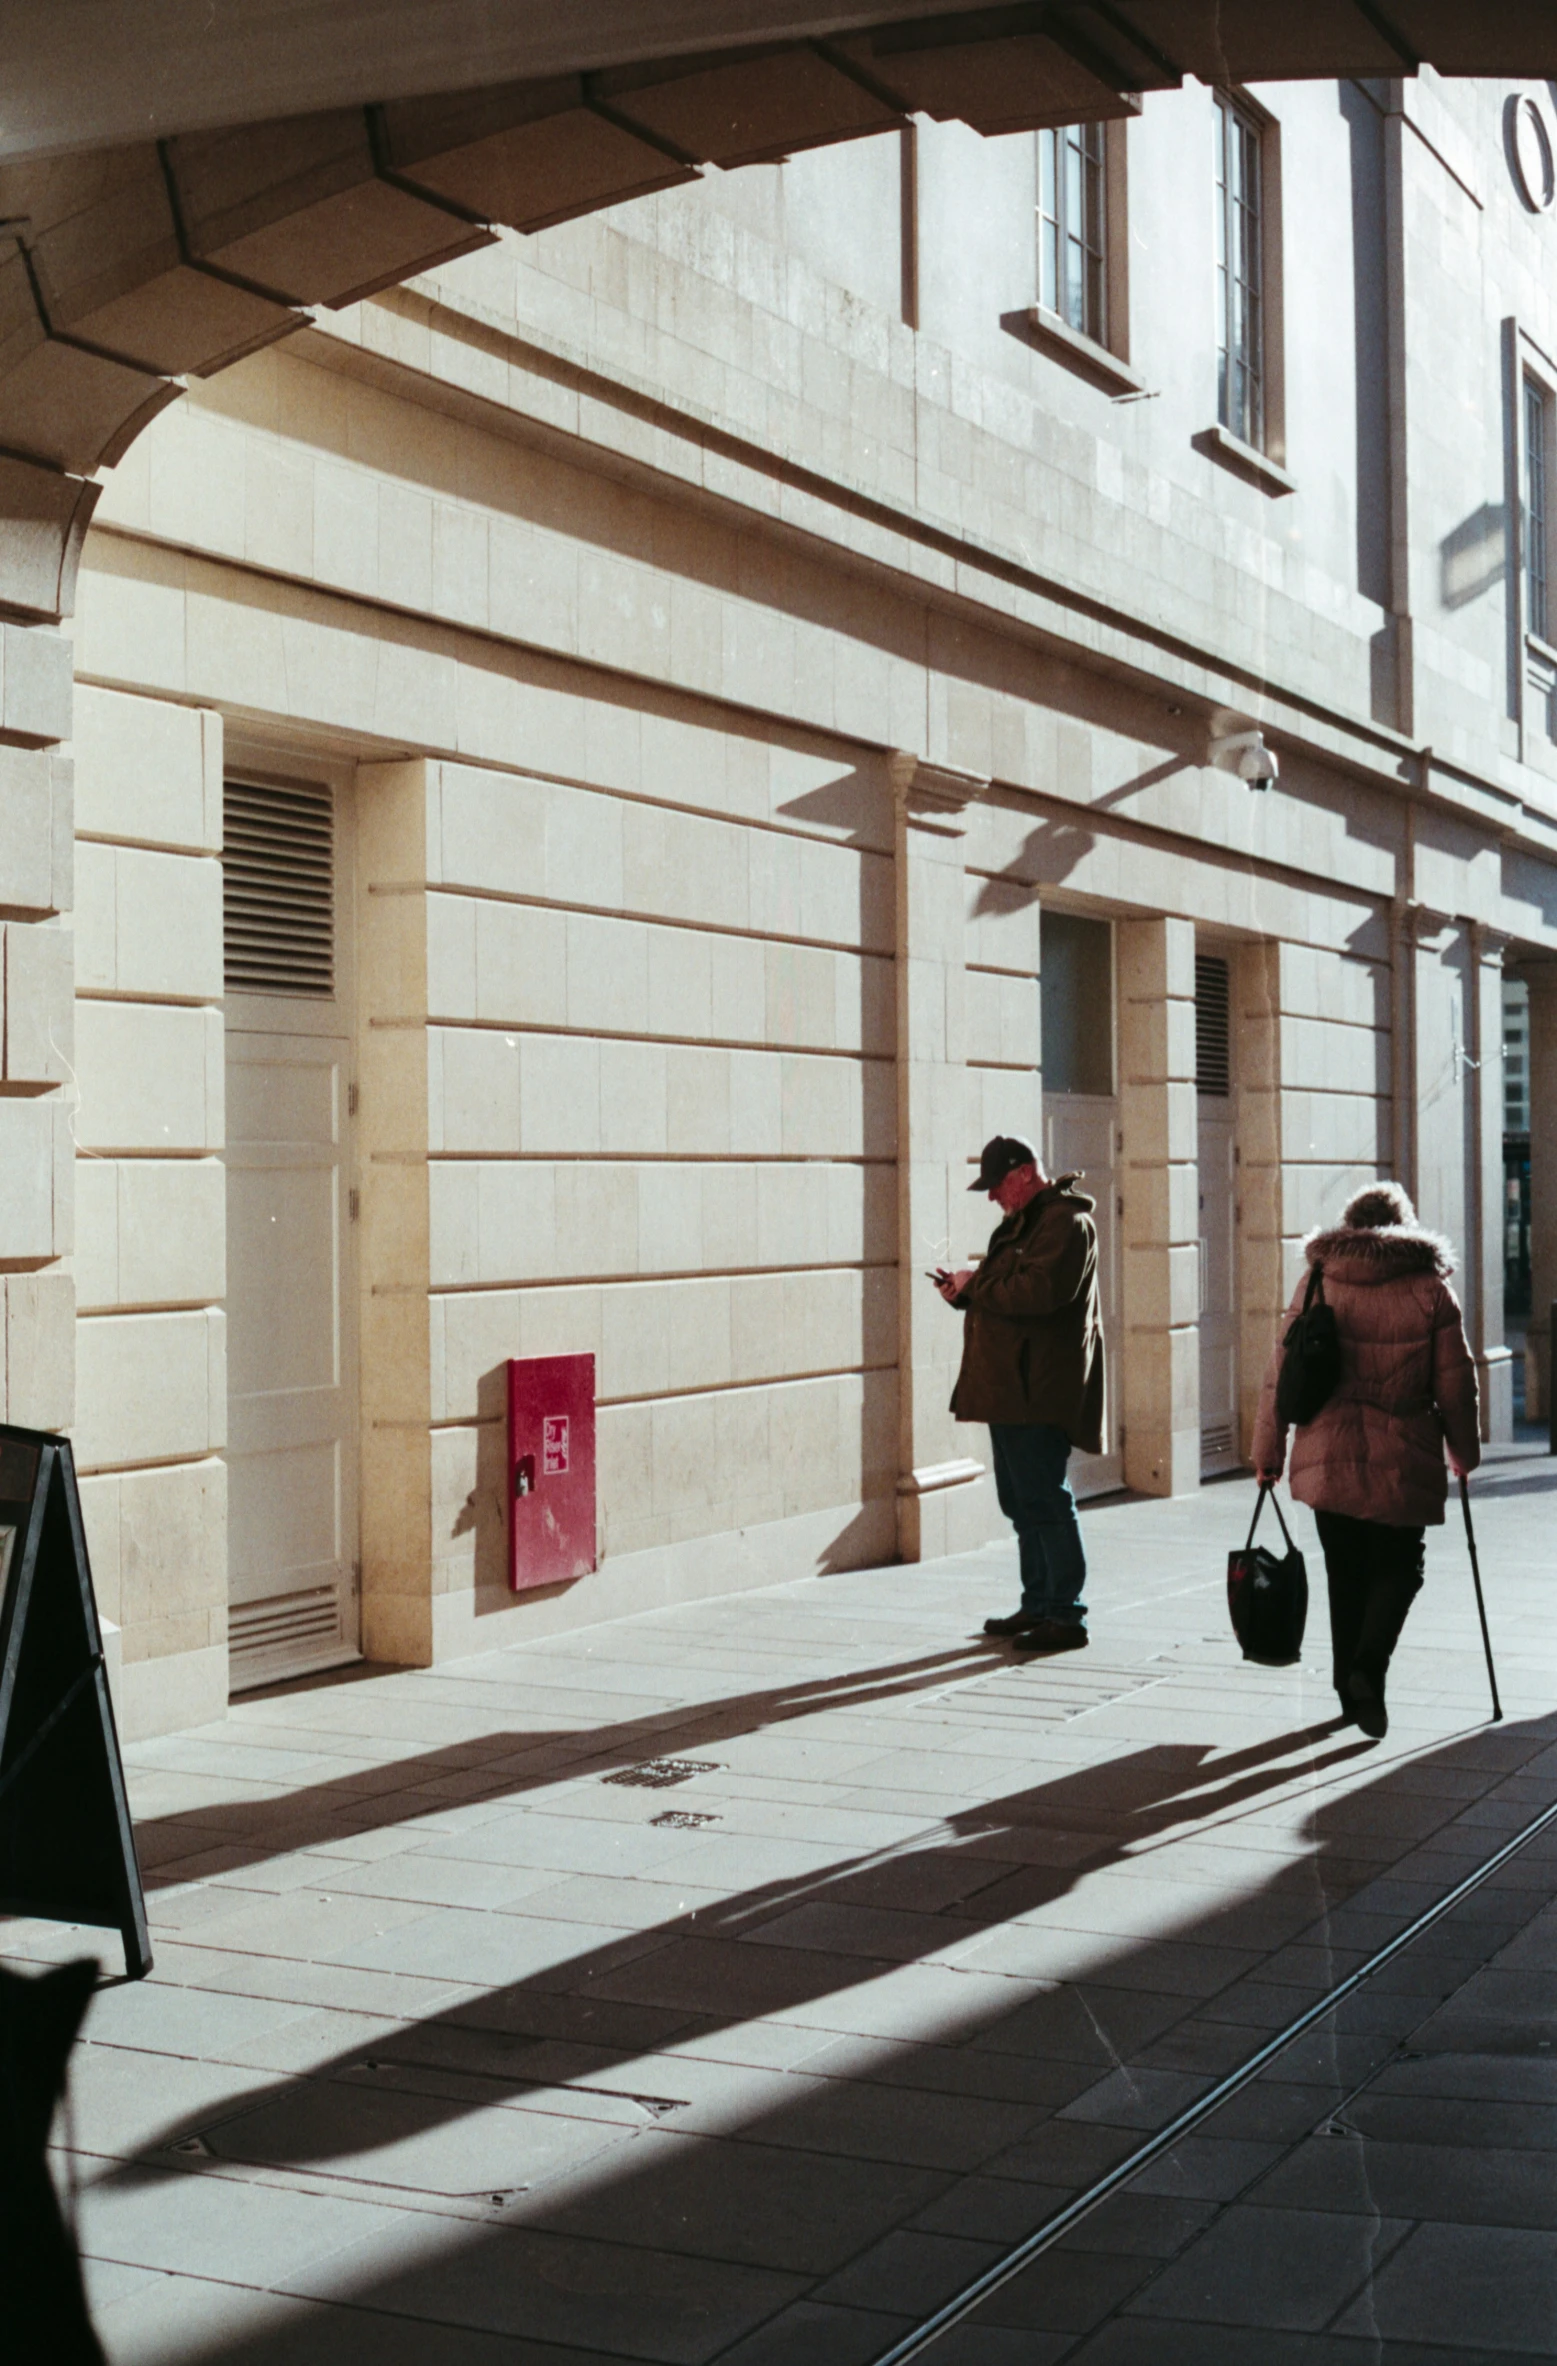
1527, 135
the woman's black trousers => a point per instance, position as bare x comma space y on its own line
1375, 1575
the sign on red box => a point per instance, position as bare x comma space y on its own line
551, 1469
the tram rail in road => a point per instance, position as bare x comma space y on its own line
1056, 2228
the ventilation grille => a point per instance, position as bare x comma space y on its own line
1213, 1043
1217, 1440
286, 1619
278, 888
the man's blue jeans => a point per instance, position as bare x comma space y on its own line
1034, 1493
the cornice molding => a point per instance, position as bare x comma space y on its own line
934, 796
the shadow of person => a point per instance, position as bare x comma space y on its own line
507, 1764
668, 2244
783, 1944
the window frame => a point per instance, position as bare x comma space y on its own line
1232, 439
1101, 352
1532, 654
1073, 181
1536, 405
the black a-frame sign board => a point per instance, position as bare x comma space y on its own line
67, 1850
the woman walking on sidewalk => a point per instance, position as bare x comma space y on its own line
1371, 1462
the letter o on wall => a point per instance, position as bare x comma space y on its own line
1530, 157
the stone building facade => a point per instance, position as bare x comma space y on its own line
705, 712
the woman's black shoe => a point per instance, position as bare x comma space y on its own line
1013, 1625
1367, 1706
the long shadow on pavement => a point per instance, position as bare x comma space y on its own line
805, 2219
776, 1947
508, 1764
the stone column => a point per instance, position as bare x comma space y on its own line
43, 518
1160, 1172
1542, 978
941, 1507
1439, 1079
1266, 1225
394, 1232
1484, 1216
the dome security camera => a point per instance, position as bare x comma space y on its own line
1258, 766
1245, 753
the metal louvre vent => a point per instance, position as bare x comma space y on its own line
288, 1635
278, 887
1213, 1026
1218, 1439
286, 1618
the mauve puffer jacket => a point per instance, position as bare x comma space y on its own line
1407, 1387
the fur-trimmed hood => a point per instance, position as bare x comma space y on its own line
1381, 1253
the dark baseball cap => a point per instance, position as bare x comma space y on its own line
1001, 1156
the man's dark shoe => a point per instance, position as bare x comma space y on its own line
1015, 1624
1368, 1707
1052, 1634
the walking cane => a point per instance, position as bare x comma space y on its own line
1481, 1607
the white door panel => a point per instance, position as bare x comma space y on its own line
284, 1103
291, 1378
284, 1300
284, 1506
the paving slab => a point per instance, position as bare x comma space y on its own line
478, 2051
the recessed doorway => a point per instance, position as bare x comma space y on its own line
1081, 1126
291, 1327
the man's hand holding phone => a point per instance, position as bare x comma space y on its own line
951, 1285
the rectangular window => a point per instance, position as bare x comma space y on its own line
1240, 275
1537, 424
1073, 228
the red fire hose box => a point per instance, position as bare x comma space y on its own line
551, 1469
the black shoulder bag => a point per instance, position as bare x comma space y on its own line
1267, 1598
1310, 1358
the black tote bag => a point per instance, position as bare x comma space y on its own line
1267, 1598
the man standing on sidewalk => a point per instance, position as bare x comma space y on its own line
1032, 1367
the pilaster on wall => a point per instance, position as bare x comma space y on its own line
939, 1500
1265, 1224
1456, 1075
396, 1384
1542, 979
1160, 1166
151, 1226
1442, 1024
1484, 1216
1316, 1029
43, 517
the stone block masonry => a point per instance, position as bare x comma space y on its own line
151, 1230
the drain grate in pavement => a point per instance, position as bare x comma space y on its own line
681, 1819
659, 1774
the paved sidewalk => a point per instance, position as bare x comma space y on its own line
734, 1982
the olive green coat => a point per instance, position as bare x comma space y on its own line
1032, 1347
